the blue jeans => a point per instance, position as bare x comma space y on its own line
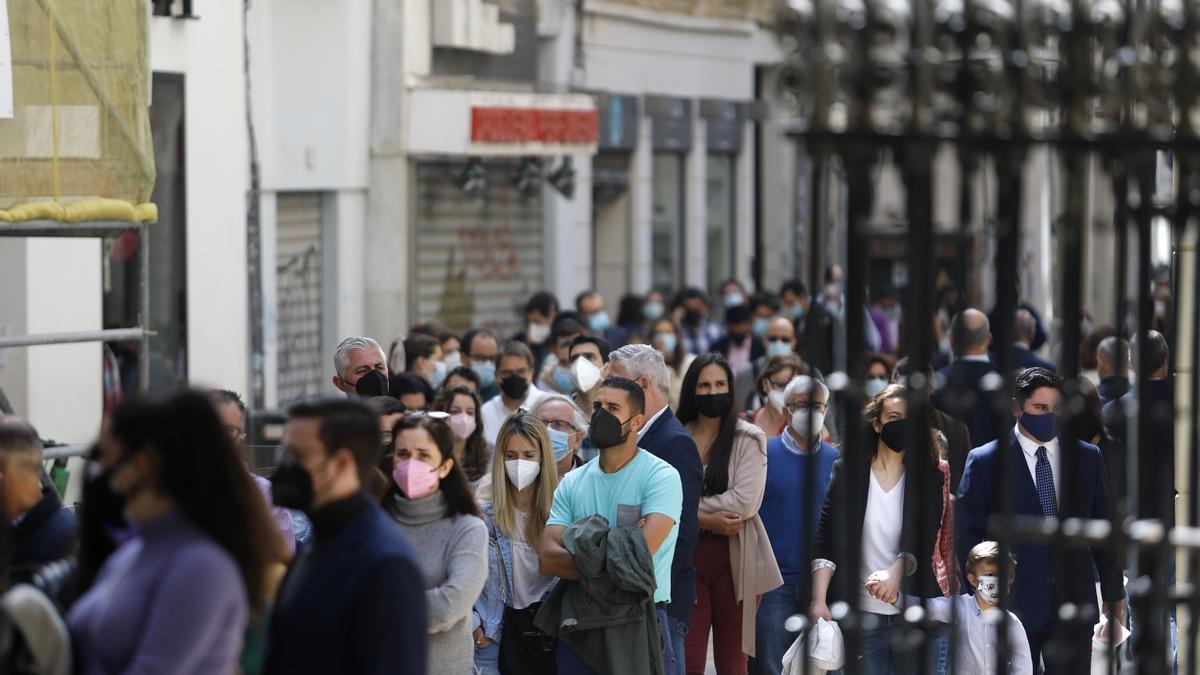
878, 656
674, 662
771, 639
487, 659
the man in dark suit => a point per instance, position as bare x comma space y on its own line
665, 437
960, 386
354, 600
1023, 356
1112, 366
1035, 459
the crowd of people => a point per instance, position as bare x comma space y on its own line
587, 496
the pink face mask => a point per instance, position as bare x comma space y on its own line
463, 425
415, 478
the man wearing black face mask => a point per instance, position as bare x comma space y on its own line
740, 347
361, 368
514, 372
1035, 455
358, 579
629, 487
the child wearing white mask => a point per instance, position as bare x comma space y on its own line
524, 478
976, 618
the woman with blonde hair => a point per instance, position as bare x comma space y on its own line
524, 477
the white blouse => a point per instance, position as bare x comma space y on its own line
882, 523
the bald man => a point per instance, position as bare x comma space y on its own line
1025, 328
960, 391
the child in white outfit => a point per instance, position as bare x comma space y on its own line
976, 618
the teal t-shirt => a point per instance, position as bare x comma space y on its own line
645, 485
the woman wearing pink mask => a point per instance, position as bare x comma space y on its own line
471, 451
524, 476
436, 512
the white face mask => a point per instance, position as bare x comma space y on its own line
522, 472
452, 360
585, 374
775, 399
439, 375
800, 421
538, 332
988, 589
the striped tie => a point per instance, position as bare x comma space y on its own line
1045, 484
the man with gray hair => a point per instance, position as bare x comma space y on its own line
43, 531
665, 437
567, 426
961, 393
1025, 328
1112, 366
786, 505
360, 368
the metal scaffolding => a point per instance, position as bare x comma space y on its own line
102, 229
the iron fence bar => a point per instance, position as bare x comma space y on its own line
144, 308
108, 335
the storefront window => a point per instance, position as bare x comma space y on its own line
721, 220
667, 223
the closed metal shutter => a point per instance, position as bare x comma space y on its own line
476, 261
298, 274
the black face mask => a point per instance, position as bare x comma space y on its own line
714, 405
606, 430
101, 501
895, 434
515, 387
373, 384
692, 318
292, 487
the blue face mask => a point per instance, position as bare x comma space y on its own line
652, 310
667, 341
598, 322
776, 348
797, 312
562, 380
1042, 427
486, 372
760, 326
733, 299
561, 441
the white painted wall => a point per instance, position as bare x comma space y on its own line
208, 52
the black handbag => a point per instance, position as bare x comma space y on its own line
525, 650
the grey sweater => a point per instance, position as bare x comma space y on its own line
452, 556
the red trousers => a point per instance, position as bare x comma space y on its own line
716, 608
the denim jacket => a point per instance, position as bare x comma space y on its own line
497, 591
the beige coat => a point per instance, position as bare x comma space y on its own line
750, 555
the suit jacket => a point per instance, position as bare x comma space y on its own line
922, 583
353, 601
670, 442
1023, 358
1036, 591
973, 407
1160, 455
1112, 388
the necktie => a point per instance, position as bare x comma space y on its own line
1045, 484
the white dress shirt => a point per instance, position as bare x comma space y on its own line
494, 413
1029, 448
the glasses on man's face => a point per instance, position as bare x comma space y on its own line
561, 425
235, 432
805, 406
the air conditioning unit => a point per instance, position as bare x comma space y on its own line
473, 25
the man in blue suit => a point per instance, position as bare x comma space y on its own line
1035, 459
962, 387
665, 437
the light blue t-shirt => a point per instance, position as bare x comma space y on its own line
645, 485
